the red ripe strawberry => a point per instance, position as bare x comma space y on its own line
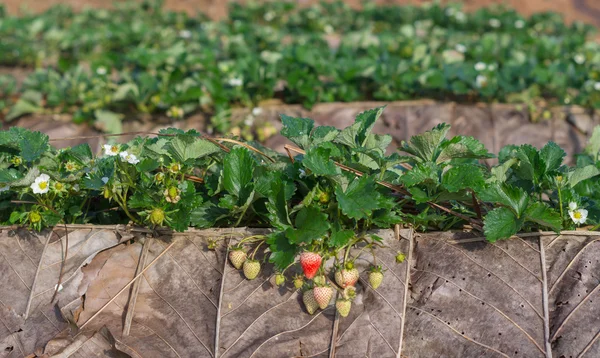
310, 261
251, 269
237, 257
323, 295
309, 301
343, 306
375, 276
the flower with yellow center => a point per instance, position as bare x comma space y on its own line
58, 186
17, 160
579, 216
175, 168
159, 177
172, 195
70, 166
41, 185
111, 150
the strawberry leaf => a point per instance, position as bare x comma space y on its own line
311, 224
360, 198
501, 223
544, 216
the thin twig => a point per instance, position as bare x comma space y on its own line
62, 265
221, 292
245, 145
127, 285
136, 286
37, 272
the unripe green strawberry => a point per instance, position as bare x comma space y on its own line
237, 257
279, 279
298, 281
157, 216
375, 277
323, 295
320, 280
343, 306
400, 257
309, 301
251, 269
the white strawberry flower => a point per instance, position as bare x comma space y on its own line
4, 187
480, 66
597, 86
185, 34
492, 67
101, 70
111, 150
41, 184
572, 205
129, 158
257, 111
481, 81
495, 23
235, 82
460, 16
460, 48
519, 24
579, 59
578, 216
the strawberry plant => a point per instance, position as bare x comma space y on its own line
320, 200
141, 59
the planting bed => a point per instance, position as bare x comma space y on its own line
455, 295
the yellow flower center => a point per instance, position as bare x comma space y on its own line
43, 185
58, 186
577, 215
114, 149
173, 192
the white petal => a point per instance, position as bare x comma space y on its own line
572, 206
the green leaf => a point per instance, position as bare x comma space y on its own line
318, 160
425, 146
553, 156
360, 198
297, 130
421, 173
33, 145
147, 165
282, 252
22, 107
593, 147
311, 224
82, 153
463, 177
186, 147
499, 172
278, 202
9, 175
507, 195
500, 223
463, 147
323, 134
544, 216
366, 121
206, 215
108, 121
238, 168
340, 238
356, 135
581, 174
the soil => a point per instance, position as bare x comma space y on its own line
583, 10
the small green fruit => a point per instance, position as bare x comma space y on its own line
279, 279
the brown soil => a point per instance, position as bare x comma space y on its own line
582, 10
